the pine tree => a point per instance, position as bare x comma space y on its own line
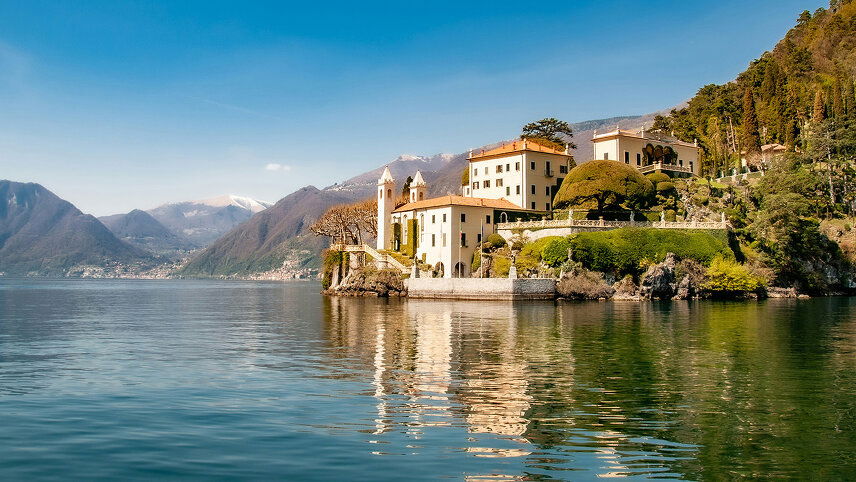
819, 112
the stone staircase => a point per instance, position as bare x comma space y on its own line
382, 260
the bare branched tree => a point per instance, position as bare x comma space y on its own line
348, 223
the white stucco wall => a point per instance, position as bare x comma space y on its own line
517, 178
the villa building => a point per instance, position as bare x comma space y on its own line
648, 152
523, 172
516, 181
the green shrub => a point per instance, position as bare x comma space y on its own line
622, 251
555, 252
495, 241
658, 177
665, 186
728, 276
501, 266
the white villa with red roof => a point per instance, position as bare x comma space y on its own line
512, 182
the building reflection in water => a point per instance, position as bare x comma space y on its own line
597, 386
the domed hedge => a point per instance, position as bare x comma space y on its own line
603, 185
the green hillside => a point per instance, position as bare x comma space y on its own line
802, 89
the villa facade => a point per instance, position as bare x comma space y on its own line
648, 152
513, 182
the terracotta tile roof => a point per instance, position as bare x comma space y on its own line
458, 201
517, 146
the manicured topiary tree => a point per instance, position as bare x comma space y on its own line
604, 185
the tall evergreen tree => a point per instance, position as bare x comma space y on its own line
837, 100
819, 111
750, 139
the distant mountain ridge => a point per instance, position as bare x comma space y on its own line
43, 235
140, 229
271, 238
204, 221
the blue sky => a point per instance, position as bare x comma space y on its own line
116, 105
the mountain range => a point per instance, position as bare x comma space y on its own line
177, 228
41, 234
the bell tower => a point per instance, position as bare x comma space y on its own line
418, 188
385, 205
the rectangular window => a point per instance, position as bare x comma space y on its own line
463, 217
486, 183
485, 170
547, 190
508, 190
516, 166
487, 219
478, 238
444, 240
559, 181
563, 169
499, 183
433, 240
532, 165
463, 240
498, 168
533, 205
680, 162
517, 189
444, 217
433, 219
626, 157
605, 156
475, 172
638, 159
548, 206
533, 189
508, 167
475, 185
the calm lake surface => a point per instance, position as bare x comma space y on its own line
200, 379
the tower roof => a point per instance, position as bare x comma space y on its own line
386, 176
418, 180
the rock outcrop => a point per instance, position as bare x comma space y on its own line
658, 282
368, 281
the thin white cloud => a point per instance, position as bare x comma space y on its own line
275, 166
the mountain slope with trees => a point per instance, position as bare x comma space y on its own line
799, 94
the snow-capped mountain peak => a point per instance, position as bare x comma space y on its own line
248, 203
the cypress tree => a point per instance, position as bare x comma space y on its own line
849, 98
837, 100
819, 113
751, 140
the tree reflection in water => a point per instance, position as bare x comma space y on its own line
608, 389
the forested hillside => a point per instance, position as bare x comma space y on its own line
798, 94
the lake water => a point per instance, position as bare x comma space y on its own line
259, 380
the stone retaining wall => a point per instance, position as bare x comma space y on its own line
481, 288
